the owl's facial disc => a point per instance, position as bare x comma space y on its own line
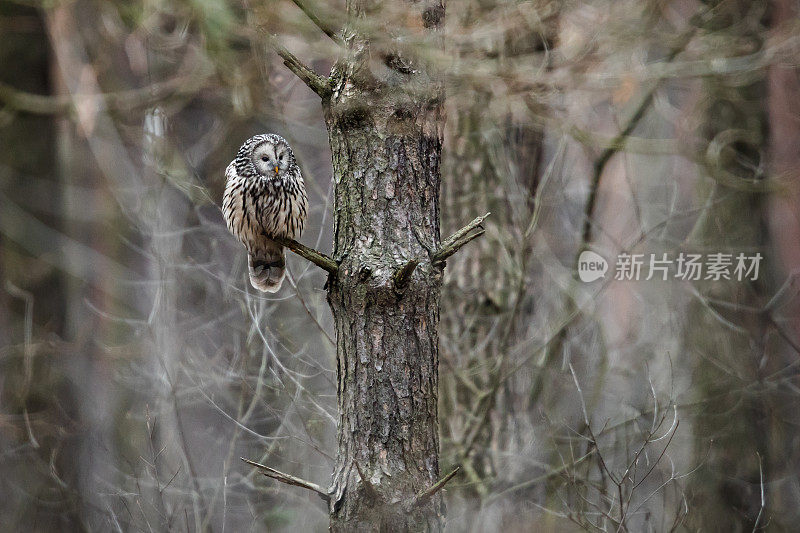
270, 159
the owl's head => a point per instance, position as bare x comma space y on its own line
266, 155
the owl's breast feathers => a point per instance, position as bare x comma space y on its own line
256, 208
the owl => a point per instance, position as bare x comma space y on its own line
265, 197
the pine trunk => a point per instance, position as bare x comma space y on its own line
386, 142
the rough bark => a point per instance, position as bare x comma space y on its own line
384, 124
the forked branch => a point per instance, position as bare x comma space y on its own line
288, 479
318, 258
451, 245
454, 242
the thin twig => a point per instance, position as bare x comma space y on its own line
326, 29
288, 479
314, 81
318, 258
454, 242
426, 494
664, 451
763, 501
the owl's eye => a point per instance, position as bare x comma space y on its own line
281, 157
264, 158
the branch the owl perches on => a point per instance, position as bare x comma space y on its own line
318, 258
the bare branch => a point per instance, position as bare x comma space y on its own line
34, 103
450, 246
314, 81
289, 480
454, 242
426, 494
40, 104
618, 143
326, 29
404, 273
318, 258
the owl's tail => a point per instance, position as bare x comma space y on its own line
267, 266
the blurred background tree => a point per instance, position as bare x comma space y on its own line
137, 365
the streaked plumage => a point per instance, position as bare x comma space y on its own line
265, 197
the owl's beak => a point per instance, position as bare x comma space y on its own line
276, 170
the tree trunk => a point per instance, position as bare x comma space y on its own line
732, 428
386, 142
